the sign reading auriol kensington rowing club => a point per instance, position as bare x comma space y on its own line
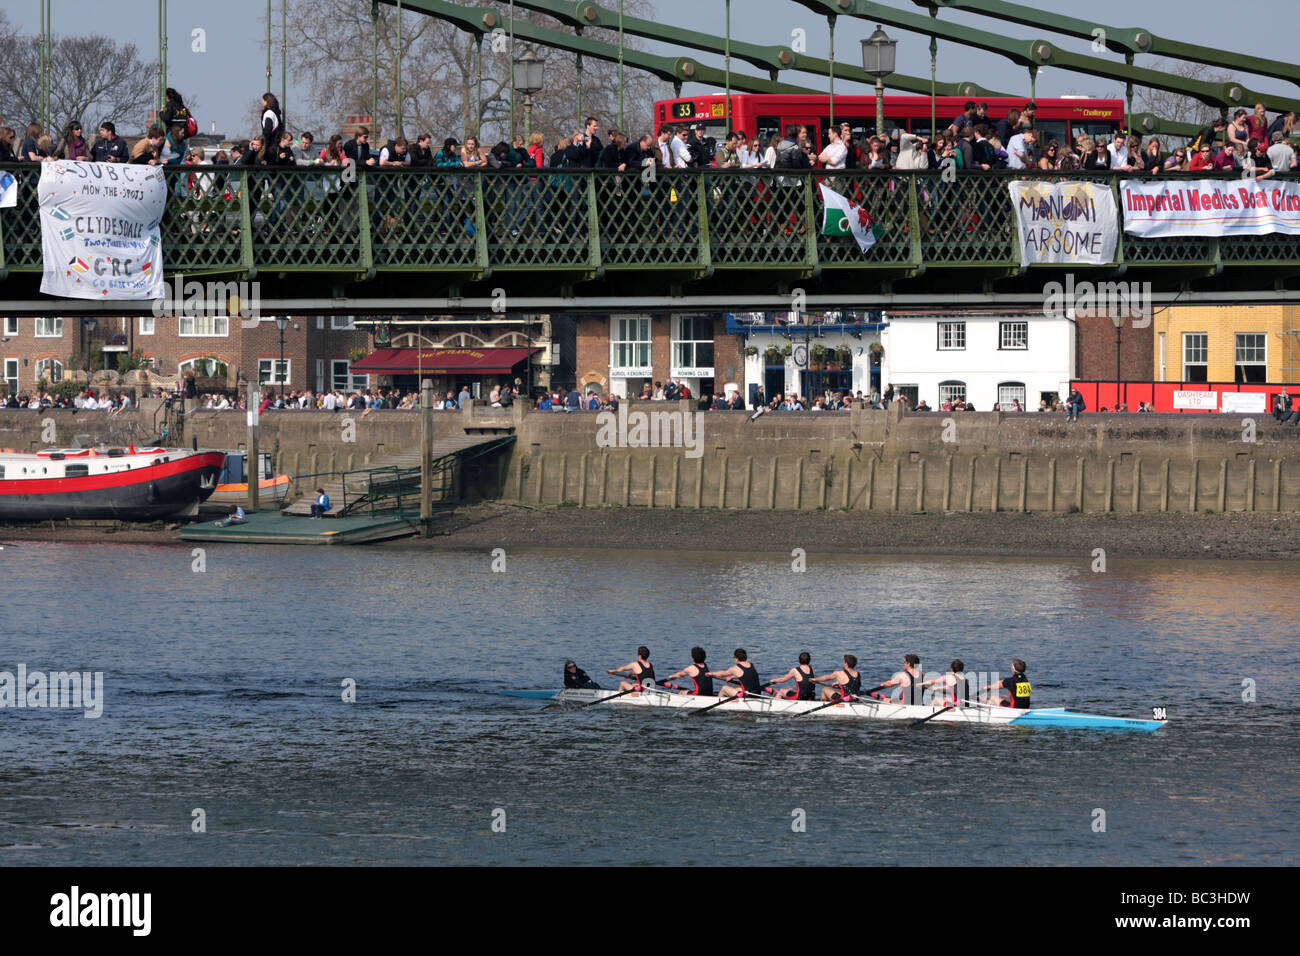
99, 230
1068, 222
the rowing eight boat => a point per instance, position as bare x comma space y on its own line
868, 708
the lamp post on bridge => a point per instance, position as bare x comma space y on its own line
878, 56
528, 74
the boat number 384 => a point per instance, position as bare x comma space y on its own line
1159, 713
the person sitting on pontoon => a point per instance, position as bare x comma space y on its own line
641, 669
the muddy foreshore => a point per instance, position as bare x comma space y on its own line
1236, 536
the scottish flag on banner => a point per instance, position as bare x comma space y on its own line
8, 190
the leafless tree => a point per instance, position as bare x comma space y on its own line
92, 78
1179, 107
332, 49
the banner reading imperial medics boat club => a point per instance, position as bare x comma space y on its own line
1211, 207
99, 230
1065, 222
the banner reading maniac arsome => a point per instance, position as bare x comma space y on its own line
1065, 222
99, 230
1212, 207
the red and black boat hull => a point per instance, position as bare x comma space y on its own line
139, 494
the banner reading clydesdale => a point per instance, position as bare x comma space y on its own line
1069, 222
1211, 207
99, 229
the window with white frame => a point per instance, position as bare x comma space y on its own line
1009, 393
341, 323
952, 391
212, 325
11, 376
148, 324
1196, 357
1251, 357
11, 325
49, 369
49, 327
952, 336
629, 345
1013, 335
693, 345
273, 371
343, 379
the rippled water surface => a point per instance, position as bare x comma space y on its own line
223, 692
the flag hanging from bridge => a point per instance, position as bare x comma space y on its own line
844, 217
99, 230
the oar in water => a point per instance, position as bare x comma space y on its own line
725, 700
918, 723
844, 700
649, 685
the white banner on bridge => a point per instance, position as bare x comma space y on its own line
1068, 222
1211, 207
99, 230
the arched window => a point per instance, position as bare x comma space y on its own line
952, 390
209, 366
1009, 392
50, 369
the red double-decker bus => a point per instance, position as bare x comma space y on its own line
766, 114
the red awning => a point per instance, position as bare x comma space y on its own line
442, 361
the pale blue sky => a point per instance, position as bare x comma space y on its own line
229, 77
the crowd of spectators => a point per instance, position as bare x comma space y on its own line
973, 140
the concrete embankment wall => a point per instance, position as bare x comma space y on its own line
868, 460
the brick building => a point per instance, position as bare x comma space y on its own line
318, 350
621, 353
1240, 344
1095, 348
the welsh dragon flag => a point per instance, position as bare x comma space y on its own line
844, 217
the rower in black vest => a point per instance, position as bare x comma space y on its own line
954, 686
847, 681
741, 673
803, 678
909, 680
640, 669
1014, 691
698, 673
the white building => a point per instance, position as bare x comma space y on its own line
811, 355
985, 358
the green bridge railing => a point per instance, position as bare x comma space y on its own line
416, 230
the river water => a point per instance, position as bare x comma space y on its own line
223, 693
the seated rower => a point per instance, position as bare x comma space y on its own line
1014, 690
954, 687
575, 676
698, 672
847, 681
640, 669
803, 677
743, 672
908, 680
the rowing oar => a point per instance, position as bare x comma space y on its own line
934, 715
843, 700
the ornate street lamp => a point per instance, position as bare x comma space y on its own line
878, 54
281, 323
528, 80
